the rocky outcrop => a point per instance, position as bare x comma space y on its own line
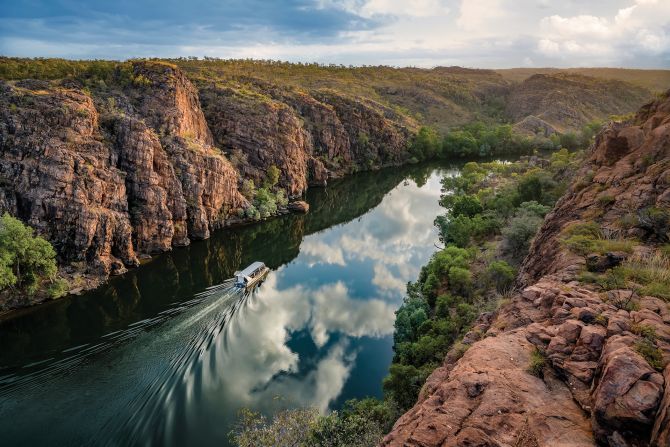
111, 177
309, 137
60, 176
259, 131
599, 384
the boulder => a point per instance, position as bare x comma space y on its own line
298, 206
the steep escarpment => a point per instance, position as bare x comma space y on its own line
59, 176
580, 354
112, 176
310, 137
116, 169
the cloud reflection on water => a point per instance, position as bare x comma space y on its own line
391, 242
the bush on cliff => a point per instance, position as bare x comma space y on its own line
27, 262
360, 423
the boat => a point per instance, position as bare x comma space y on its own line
251, 276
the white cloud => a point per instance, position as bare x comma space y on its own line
322, 253
386, 281
579, 25
634, 30
481, 15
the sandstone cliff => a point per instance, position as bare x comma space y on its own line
598, 386
115, 171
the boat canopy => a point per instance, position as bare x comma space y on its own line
248, 273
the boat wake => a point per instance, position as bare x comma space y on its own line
161, 373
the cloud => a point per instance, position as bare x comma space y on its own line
634, 30
483, 33
255, 356
319, 252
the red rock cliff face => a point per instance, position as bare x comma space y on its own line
310, 137
124, 174
60, 177
597, 388
136, 167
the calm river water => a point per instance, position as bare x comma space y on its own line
146, 360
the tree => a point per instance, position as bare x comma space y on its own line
25, 259
404, 383
426, 144
501, 275
467, 205
272, 176
248, 189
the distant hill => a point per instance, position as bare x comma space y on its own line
442, 97
657, 81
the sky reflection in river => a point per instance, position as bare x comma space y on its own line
316, 333
344, 286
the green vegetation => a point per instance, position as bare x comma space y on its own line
644, 274
493, 211
361, 423
473, 273
585, 238
647, 348
265, 201
537, 363
481, 139
27, 262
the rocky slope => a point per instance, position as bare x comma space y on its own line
564, 101
598, 385
123, 169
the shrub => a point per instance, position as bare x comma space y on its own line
651, 353
272, 176
288, 427
606, 200
409, 317
404, 383
460, 281
466, 205
501, 275
518, 234
426, 144
537, 363
248, 189
586, 237
534, 208
656, 220
281, 198
265, 202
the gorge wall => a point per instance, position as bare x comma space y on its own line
117, 173
597, 386
114, 162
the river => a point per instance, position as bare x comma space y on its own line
154, 358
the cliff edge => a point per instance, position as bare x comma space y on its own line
579, 357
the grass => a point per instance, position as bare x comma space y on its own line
537, 363
585, 238
645, 274
651, 271
651, 353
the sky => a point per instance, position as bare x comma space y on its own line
423, 33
